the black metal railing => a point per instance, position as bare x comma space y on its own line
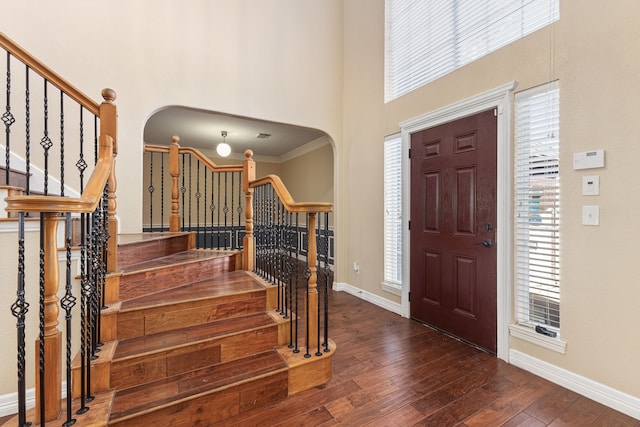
50, 127
299, 266
205, 199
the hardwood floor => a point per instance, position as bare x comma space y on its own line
391, 371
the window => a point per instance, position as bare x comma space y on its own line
393, 214
537, 211
426, 39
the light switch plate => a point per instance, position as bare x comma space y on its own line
590, 185
591, 215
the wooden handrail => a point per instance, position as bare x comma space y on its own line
288, 202
90, 198
188, 150
48, 74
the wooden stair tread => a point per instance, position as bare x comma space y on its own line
185, 257
135, 238
165, 341
182, 387
233, 282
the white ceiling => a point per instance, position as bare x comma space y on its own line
202, 130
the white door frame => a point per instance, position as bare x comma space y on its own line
501, 99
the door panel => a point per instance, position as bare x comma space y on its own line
453, 197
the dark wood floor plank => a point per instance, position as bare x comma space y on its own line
581, 412
551, 405
461, 408
524, 420
611, 418
405, 416
507, 406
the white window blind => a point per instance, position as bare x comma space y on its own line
393, 210
537, 210
426, 39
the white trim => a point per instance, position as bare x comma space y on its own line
601, 393
290, 155
368, 296
9, 401
528, 334
306, 148
500, 98
392, 288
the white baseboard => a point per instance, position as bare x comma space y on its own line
601, 393
369, 297
9, 401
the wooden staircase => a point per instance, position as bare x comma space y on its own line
190, 339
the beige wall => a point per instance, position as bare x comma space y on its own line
593, 51
309, 177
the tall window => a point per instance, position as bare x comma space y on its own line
537, 210
393, 212
426, 39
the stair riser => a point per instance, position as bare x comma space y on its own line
150, 367
147, 250
214, 407
167, 318
147, 282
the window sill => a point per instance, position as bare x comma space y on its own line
528, 334
392, 288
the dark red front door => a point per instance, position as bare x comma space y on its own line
453, 220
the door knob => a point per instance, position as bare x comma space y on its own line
487, 243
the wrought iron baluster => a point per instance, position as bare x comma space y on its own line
81, 164
240, 211
62, 143
41, 367
198, 195
204, 212
67, 303
46, 142
318, 283
151, 189
183, 189
232, 237
8, 120
85, 379
219, 210
96, 279
95, 140
212, 208
327, 273
27, 136
19, 310
161, 192
226, 209
190, 190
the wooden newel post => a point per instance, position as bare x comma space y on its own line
109, 126
312, 301
248, 175
174, 171
52, 335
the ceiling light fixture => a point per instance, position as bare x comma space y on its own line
223, 149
